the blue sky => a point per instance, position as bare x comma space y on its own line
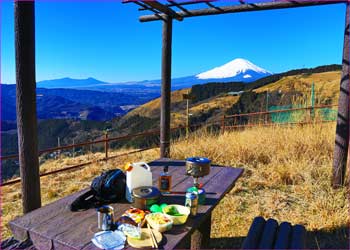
105, 40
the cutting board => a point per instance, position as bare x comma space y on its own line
145, 240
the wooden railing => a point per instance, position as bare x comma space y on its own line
221, 124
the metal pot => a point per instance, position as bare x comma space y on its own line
146, 196
197, 166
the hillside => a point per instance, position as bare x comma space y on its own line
294, 89
287, 172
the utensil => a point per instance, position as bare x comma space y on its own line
145, 242
149, 232
153, 238
105, 218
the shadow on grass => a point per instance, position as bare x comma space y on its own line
337, 238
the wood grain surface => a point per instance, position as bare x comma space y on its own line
55, 226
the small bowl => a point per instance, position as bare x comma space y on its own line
178, 219
157, 226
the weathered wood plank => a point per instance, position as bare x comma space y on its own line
163, 8
70, 237
242, 8
54, 225
21, 225
64, 231
217, 183
211, 182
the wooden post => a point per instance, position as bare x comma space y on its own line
222, 124
342, 131
106, 146
73, 148
26, 104
188, 117
59, 145
166, 88
200, 238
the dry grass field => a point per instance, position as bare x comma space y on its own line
287, 177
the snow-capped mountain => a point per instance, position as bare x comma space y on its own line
238, 68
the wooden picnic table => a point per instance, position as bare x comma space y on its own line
54, 226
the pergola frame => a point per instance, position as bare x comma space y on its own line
26, 85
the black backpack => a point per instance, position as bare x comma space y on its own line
107, 188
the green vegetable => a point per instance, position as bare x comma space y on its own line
155, 208
172, 211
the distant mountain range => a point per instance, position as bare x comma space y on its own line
238, 70
74, 103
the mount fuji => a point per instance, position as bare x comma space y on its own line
240, 69
237, 70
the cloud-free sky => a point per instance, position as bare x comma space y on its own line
105, 40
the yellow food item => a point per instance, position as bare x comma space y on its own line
136, 214
158, 218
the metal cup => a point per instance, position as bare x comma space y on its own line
105, 218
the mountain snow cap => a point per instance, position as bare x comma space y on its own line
231, 69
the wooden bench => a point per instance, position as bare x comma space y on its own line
269, 235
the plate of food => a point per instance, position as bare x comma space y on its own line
137, 215
177, 213
159, 221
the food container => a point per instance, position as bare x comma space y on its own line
146, 196
197, 166
159, 221
177, 213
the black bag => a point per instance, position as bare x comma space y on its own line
109, 187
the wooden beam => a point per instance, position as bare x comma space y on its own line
244, 8
342, 131
26, 104
165, 9
174, 3
166, 88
